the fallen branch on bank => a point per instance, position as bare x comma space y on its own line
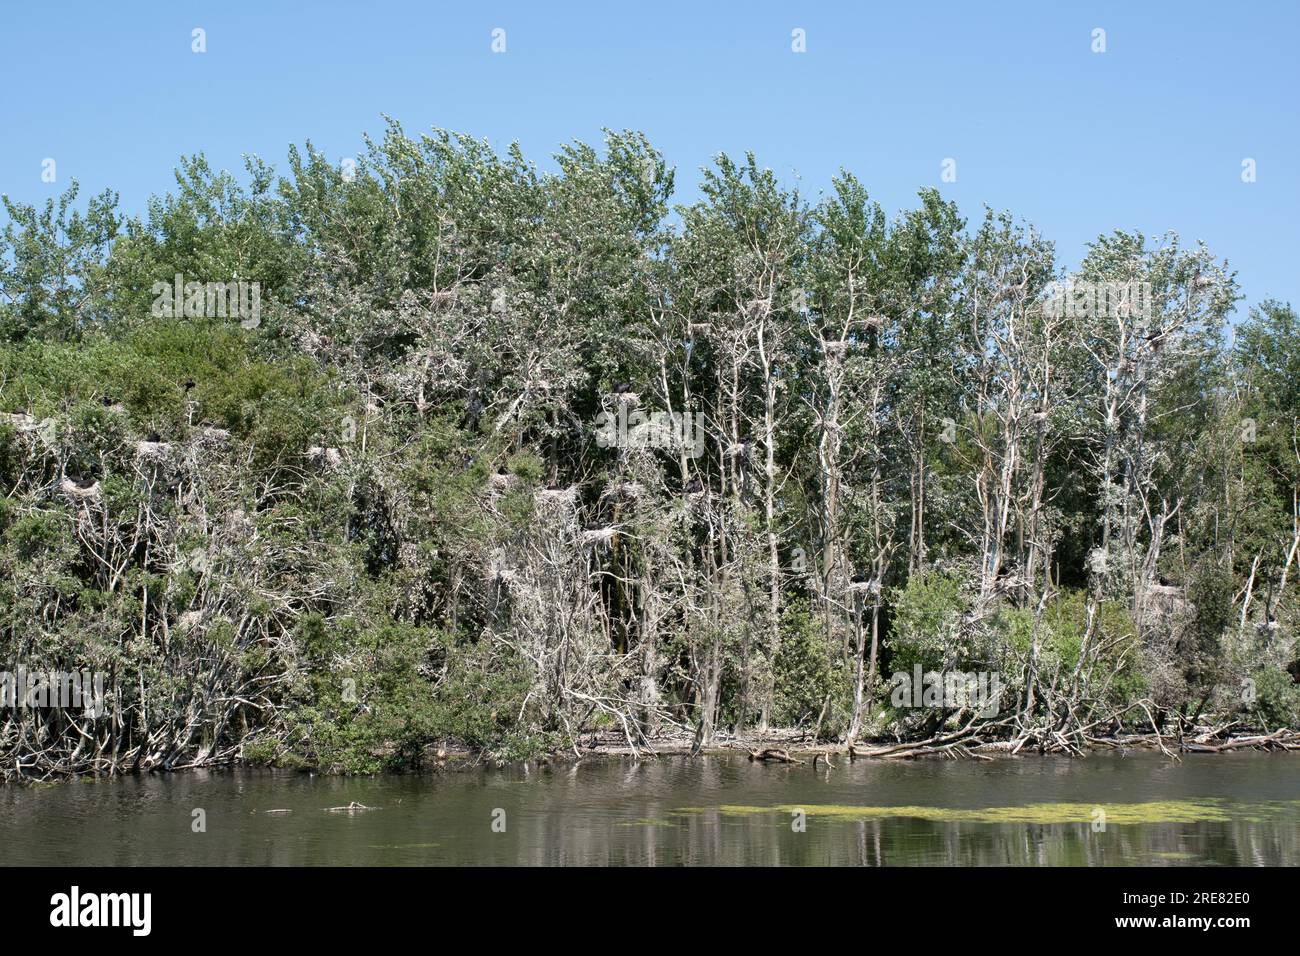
771, 753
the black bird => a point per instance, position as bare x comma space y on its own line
622, 387
153, 437
107, 400
188, 384
84, 481
859, 578
473, 409
694, 486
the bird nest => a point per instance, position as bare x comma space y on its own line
625, 490
444, 298
557, 496
21, 421
498, 482
498, 573
152, 450
329, 457
214, 437
599, 536
75, 490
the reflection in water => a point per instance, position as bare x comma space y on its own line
1237, 809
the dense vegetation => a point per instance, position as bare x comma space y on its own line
387, 515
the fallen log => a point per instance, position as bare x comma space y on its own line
771, 753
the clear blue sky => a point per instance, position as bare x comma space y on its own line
1149, 135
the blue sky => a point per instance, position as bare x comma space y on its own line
1149, 135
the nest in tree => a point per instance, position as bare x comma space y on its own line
630, 399
496, 573
329, 457
1012, 581
599, 536
625, 490
699, 328
21, 421
443, 298
1166, 600
557, 496
189, 620
874, 321
313, 342
213, 436
835, 348
153, 450
861, 587
499, 482
77, 490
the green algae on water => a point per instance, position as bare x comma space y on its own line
1208, 810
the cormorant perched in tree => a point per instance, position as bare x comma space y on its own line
694, 486
622, 388
745, 460
153, 437
473, 409
188, 384
859, 578
107, 400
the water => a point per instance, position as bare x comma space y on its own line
1236, 809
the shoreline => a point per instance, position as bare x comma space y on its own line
775, 746
795, 747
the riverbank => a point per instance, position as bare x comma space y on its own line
799, 747
788, 746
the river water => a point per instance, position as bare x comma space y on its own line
1235, 809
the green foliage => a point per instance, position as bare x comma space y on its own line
927, 624
807, 674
